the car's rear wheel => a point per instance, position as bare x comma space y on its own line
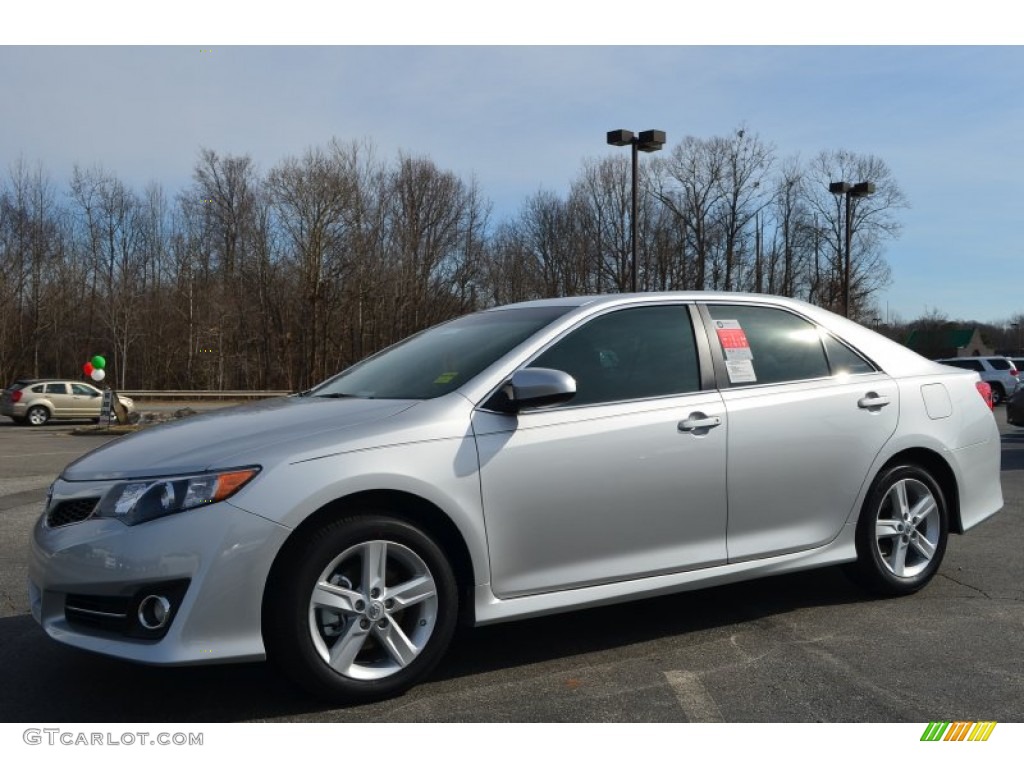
362, 609
37, 415
902, 531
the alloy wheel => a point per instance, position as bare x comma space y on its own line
907, 528
38, 416
373, 610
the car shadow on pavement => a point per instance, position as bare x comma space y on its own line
45, 681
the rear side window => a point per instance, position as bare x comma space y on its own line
999, 364
763, 345
56, 389
38, 389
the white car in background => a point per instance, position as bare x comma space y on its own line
1000, 372
516, 462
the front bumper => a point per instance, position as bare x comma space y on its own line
220, 552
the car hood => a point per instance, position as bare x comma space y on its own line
215, 439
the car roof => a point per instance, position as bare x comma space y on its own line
626, 298
973, 357
27, 382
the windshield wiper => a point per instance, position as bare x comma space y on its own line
336, 395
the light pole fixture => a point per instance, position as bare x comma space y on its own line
863, 189
647, 141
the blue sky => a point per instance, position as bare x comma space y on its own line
949, 121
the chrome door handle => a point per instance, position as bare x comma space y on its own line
872, 400
698, 421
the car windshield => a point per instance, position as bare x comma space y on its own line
440, 359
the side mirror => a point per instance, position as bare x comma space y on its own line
538, 387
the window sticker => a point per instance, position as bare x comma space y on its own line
740, 371
733, 340
446, 378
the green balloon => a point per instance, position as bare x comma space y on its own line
99, 362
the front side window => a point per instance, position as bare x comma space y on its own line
763, 345
82, 389
628, 354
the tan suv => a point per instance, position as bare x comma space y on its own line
36, 401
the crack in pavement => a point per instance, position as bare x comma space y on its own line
980, 591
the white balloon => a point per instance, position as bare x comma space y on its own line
98, 374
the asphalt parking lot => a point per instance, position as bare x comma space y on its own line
799, 648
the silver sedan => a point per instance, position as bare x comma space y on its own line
516, 462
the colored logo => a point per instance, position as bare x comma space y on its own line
958, 731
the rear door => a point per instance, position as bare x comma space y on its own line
807, 416
57, 393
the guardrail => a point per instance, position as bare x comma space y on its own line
201, 394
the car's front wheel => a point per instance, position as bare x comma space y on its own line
37, 415
361, 609
902, 531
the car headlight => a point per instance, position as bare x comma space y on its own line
138, 501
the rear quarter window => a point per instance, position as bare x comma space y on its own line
842, 360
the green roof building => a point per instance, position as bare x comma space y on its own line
948, 342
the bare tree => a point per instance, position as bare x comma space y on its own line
309, 195
111, 216
744, 194
689, 183
873, 221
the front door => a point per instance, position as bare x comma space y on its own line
625, 480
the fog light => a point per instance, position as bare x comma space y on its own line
154, 611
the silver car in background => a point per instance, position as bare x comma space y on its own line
520, 461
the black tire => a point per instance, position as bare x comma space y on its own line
390, 647
37, 415
895, 554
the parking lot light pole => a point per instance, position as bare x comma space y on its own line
862, 189
1016, 326
647, 141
